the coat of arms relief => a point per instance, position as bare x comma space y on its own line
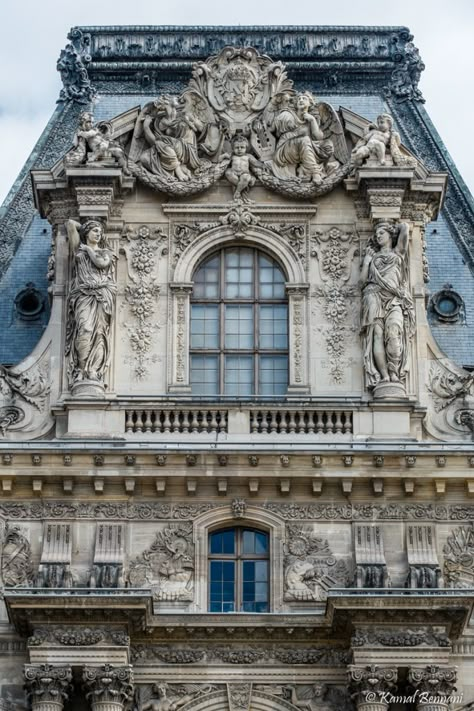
239, 118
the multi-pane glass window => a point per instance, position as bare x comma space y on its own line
238, 571
239, 325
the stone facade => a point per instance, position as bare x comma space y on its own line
118, 476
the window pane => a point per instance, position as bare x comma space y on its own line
204, 326
204, 375
273, 326
238, 375
273, 375
206, 280
261, 543
222, 542
238, 273
221, 585
248, 542
271, 279
239, 326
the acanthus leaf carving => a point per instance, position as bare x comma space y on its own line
141, 292
108, 683
459, 557
47, 683
310, 569
451, 408
167, 565
371, 682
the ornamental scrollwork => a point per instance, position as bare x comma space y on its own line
451, 407
167, 565
141, 292
72, 66
310, 569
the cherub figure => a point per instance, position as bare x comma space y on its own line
93, 145
373, 144
239, 172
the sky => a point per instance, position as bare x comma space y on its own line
32, 33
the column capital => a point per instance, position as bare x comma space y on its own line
47, 684
435, 681
108, 684
370, 684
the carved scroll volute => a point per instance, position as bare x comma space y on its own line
108, 688
47, 686
371, 686
179, 336
298, 365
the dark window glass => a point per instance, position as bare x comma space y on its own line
238, 571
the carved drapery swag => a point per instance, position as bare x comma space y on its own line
91, 304
387, 310
47, 686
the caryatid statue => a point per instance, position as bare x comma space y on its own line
90, 306
388, 316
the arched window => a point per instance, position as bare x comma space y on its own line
238, 570
239, 325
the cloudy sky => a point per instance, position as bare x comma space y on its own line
32, 33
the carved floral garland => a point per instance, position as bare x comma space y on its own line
141, 293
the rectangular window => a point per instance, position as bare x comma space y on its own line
238, 274
255, 586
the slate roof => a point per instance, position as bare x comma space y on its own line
365, 69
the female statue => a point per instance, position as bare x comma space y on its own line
90, 303
388, 318
301, 148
